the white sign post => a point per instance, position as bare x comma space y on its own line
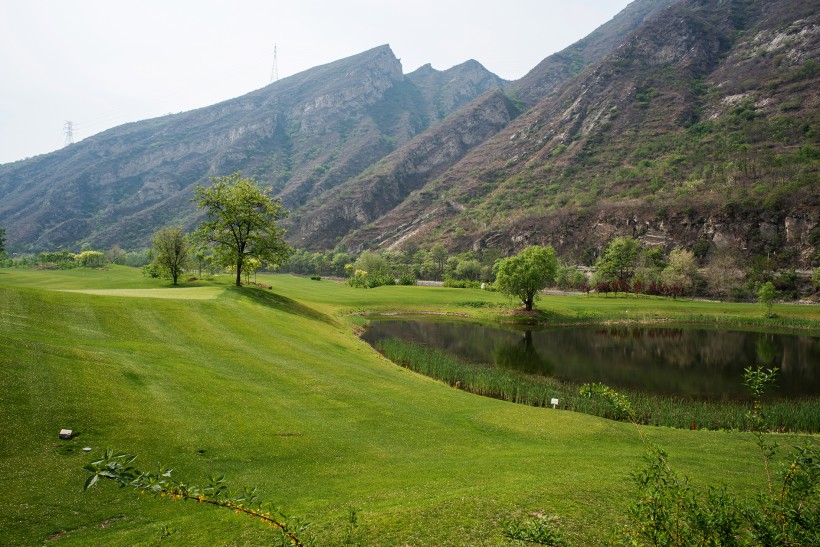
554, 402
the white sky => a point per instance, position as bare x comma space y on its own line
102, 63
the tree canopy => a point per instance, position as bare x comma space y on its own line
766, 295
526, 273
619, 259
241, 222
171, 251
2, 240
682, 270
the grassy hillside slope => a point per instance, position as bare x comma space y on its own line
271, 388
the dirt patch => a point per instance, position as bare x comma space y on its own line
108, 522
58, 535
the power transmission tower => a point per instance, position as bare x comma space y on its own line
274, 73
68, 128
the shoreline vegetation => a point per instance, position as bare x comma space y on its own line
783, 416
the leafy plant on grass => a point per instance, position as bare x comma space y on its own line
620, 403
758, 380
117, 467
352, 534
540, 530
669, 511
767, 296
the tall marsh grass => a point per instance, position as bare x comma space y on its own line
518, 387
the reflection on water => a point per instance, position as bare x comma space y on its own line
696, 363
523, 356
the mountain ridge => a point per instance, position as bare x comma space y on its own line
574, 133
680, 122
299, 135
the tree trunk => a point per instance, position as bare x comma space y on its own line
528, 303
239, 273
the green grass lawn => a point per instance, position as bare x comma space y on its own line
273, 389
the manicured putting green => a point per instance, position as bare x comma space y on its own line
192, 293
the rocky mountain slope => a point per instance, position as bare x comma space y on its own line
681, 122
701, 125
302, 135
326, 218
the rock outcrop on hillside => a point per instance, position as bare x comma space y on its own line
700, 125
302, 135
386, 185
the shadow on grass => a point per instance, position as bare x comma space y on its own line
283, 303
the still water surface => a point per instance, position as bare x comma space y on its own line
691, 362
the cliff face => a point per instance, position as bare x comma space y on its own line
371, 206
302, 136
366, 198
699, 125
556, 69
678, 122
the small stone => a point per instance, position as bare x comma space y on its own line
87, 449
65, 433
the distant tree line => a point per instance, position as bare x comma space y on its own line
468, 268
624, 266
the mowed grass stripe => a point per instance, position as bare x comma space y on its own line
279, 393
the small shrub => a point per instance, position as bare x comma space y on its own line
364, 280
461, 283
620, 403
316, 277
155, 271
540, 530
766, 296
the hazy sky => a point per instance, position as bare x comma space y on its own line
103, 63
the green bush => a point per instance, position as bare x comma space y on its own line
155, 271
461, 283
364, 280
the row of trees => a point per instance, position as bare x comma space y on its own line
240, 231
435, 263
626, 266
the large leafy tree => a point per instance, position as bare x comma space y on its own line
682, 270
241, 222
171, 251
2, 240
526, 273
619, 259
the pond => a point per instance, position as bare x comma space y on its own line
691, 362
